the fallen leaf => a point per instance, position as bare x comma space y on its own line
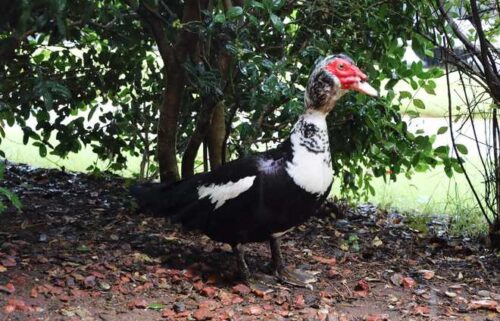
422, 310
2, 268
484, 304
376, 242
324, 260
202, 314
299, 302
332, 272
64, 298
397, 279
376, 317
19, 305
167, 313
241, 289
261, 290
34, 292
8, 288
89, 281
8, 262
362, 288
254, 310
137, 303
9, 308
209, 304
209, 291
408, 283
427, 274
450, 294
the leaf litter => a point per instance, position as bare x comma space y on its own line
79, 251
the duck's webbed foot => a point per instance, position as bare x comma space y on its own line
293, 277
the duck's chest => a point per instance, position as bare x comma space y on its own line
310, 166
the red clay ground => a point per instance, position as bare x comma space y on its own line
79, 252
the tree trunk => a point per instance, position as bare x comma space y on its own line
202, 126
217, 132
173, 57
216, 135
167, 124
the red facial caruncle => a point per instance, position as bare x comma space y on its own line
350, 76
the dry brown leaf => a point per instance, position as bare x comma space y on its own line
491, 305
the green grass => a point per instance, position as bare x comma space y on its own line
16, 151
430, 194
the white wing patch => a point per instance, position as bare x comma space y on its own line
220, 193
311, 171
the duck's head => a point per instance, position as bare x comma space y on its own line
330, 79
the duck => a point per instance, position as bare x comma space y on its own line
261, 197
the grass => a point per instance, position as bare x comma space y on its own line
431, 195
16, 151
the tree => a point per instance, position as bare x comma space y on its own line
164, 78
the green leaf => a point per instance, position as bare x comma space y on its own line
442, 130
429, 90
42, 149
15, 201
256, 4
448, 171
277, 4
413, 113
11, 197
405, 94
219, 18
59, 89
234, 12
418, 103
277, 23
457, 167
462, 149
156, 306
442, 151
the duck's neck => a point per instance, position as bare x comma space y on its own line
311, 132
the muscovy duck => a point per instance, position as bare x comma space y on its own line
259, 198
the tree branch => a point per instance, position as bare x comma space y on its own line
491, 77
455, 29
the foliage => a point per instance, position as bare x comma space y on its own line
99, 73
7, 195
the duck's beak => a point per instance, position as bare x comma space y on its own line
364, 87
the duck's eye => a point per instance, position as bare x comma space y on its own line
341, 66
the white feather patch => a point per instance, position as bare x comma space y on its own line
220, 193
311, 171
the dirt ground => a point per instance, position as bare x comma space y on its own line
78, 251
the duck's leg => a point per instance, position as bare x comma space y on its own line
243, 270
295, 277
257, 282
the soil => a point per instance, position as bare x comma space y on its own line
80, 251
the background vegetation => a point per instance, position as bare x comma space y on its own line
165, 82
